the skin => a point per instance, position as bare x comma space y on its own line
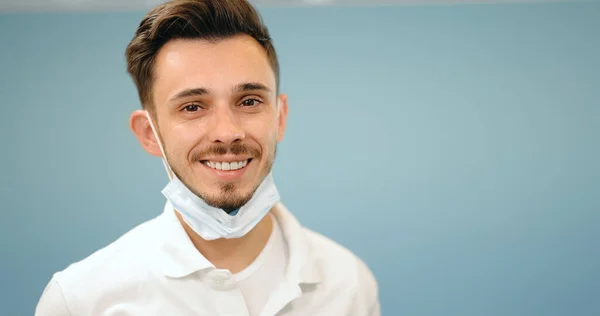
217, 102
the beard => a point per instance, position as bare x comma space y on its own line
229, 197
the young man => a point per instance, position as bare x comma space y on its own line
208, 79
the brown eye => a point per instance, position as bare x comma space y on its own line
251, 102
191, 108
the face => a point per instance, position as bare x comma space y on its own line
217, 115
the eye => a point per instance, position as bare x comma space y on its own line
251, 102
191, 107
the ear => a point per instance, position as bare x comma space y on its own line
282, 113
140, 125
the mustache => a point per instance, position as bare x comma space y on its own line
220, 150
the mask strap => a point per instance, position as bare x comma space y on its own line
164, 156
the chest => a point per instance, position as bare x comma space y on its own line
222, 298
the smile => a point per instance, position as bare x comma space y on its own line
226, 165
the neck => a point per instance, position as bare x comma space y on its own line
232, 254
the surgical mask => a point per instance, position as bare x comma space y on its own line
210, 222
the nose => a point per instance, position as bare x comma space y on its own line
226, 127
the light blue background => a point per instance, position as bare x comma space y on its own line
454, 148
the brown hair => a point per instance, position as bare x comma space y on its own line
211, 20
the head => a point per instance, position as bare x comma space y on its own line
207, 76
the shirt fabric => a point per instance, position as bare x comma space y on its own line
265, 273
154, 269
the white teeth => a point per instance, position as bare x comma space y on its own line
226, 166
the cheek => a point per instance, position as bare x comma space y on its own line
270, 137
271, 144
275, 137
182, 140
262, 129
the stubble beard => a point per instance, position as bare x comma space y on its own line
230, 198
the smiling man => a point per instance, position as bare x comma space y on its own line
208, 80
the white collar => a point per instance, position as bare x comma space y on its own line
180, 258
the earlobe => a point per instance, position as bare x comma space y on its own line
282, 112
141, 128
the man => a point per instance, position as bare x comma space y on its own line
208, 80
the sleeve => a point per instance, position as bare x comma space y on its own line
375, 309
369, 289
52, 302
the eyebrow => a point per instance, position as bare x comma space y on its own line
251, 86
242, 87
190, 93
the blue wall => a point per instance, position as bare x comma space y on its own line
455, 149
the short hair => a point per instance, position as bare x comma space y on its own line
211, 20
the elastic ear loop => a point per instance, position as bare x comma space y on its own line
164, 156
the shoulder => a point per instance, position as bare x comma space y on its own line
117, 268
342, 276
341, 269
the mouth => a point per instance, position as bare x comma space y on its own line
231, 170
226, 165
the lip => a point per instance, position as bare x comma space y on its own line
227, 175
226, 158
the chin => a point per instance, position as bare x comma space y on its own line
230, 202
225, 196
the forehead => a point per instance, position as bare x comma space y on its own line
217, 66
